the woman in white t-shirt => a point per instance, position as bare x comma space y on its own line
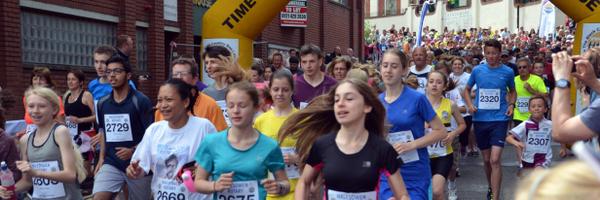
171, 143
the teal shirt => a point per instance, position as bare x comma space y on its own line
217, 156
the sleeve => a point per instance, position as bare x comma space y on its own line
389, 160
471, 81
519, 130
209, 128
274, 160
425, 109
314, 156
143, 151
590, 116
204, 157
540, 85
100, 115
147, 116
510, 79
157, 116
217, 117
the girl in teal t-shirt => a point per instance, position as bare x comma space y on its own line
238, 159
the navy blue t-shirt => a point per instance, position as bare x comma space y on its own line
123, 124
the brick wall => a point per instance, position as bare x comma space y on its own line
15, 77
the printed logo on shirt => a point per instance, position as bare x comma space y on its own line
366, 164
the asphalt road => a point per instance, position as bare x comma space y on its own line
472, 183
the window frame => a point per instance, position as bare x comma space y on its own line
469, 3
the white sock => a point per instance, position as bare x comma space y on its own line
451, 184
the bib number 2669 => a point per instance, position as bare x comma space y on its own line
170, 196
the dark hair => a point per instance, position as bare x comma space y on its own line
122, 40
248, 88
119, 59
318, 118
399, 54
170, 158
185, 91
449, 84
104, 49
213, 51
311, 49
538, 97
186, 61
294, 60
282, 74
340, 59
258, 68
79, 75
493, 43
42, 72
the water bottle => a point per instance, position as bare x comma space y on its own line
7, 179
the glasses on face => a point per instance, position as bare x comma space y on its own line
116, 71
180, 74
522, 67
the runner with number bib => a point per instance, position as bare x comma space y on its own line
171, 143
233, 164
492, 110
123, 117
48, 158
407, 112
526, 85
341, 136
442, 153
533, 137
281, 88
313, 82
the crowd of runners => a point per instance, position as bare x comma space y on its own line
313, 125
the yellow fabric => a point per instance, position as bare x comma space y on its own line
444, 112
536, 83
268, 124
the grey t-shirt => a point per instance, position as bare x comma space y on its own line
591, 115
212, 91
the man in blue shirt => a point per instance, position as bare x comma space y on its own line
123, 117
492, 110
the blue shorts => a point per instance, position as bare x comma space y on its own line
417, 189
490, 134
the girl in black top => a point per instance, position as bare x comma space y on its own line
79, 104
340, 134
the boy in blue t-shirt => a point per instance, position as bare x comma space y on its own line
492, 110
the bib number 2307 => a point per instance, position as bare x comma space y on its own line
240, 190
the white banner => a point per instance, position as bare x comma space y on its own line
547, 19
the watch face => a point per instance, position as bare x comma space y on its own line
562, 83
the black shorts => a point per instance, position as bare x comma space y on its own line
441, 165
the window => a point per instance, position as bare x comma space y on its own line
47, 39
524, 2
430, 10
341, 2
458, 4
391, 8
373, 8
141, 47
490, 1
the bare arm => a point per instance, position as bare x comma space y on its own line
309, 174
438, 132
398, 187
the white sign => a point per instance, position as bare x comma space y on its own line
291, 170
233, 45
590, 37
462, 19
170, 10
404, 137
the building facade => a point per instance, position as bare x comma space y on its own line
459, 14
62, 34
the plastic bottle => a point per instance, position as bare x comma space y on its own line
7, 179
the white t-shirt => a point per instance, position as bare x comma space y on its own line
164, 151
537, 139
461, 81
456, 98
421, 76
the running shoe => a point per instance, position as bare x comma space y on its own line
490, 195
452, 191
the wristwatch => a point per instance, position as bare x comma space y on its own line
563, 83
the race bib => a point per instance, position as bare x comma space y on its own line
422, 83
223, 105
404, 137
117, 128
437, 149
240, 190
332, 194
523, 104
45, 188
489, 99
291, 170
73, 127
169, 189
538, 142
